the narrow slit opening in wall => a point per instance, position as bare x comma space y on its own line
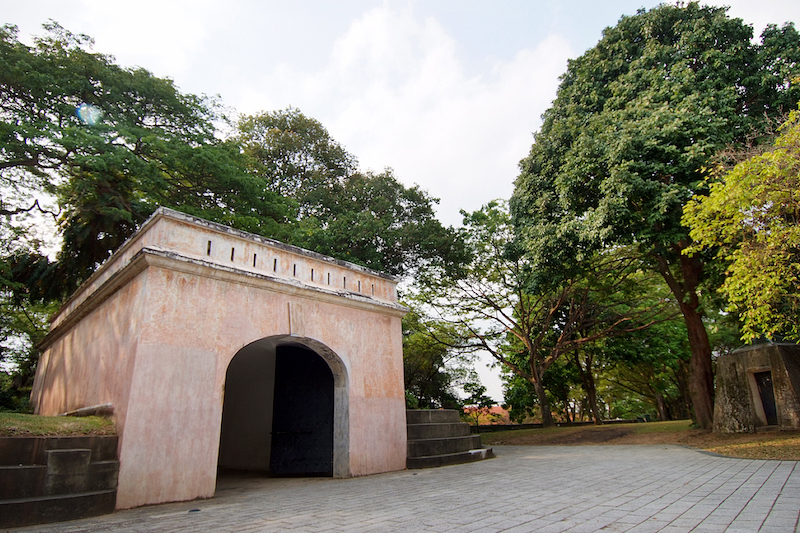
275, 265
255, 256
312, 274
208, 248
373, 289
233, 251
294, 270
329, 278
344, 282
359, 286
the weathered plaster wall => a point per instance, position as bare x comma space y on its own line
153, 332
92, 363
737, 407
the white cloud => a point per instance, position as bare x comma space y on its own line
395, 94
162, 36
759, 14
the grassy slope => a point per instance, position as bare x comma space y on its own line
21, 425
774, 445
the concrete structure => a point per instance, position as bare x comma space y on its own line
219, 348
758, 386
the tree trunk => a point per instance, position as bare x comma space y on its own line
661, 406
587, 379
701, 372
685, 401
544, 404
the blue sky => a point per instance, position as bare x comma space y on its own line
446, 92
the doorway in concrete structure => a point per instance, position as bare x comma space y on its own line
285, 410
767, 396
302, 419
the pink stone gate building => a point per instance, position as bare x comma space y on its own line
222, 349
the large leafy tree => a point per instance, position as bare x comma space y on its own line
626, 143
94, 148
752, 219
528, 331
108, 145
432, 367
367, 218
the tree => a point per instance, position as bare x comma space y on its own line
477, 404
752, 219
108, 145
529, 331
94, 148
627, 141
654, 366
432, 369
366, 218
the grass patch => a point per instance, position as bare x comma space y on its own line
671, 426
23, 425
783, 445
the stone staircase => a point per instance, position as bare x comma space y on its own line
52, 479
439, 438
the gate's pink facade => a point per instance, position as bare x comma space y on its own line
153, 332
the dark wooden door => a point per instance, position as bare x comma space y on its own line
302, 420
767, 394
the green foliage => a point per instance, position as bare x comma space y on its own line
629, 137
366, 218
432, 367
148, 145
635, 122
752, 218
22, 325
650, 367
151, 146
526, 330
477, 405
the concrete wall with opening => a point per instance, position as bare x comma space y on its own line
757, 387
155, 330
287, 396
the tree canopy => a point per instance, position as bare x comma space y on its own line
752, 219
97, 147
364, 217
142, 143
628, 140
526, 330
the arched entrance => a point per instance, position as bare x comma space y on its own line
285, 409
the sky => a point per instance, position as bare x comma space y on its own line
447, 93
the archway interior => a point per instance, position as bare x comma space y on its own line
278, 411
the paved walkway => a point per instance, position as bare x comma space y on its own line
525, 489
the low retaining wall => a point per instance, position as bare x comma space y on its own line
52, 479
491, 428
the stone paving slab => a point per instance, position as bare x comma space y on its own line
558, 489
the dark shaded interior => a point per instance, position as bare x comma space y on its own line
277, 415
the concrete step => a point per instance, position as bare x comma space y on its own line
426, 447
45, 509
432, 416
16, 451
434, 461
434, 431
31, 481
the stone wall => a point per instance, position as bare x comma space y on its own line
739, 404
